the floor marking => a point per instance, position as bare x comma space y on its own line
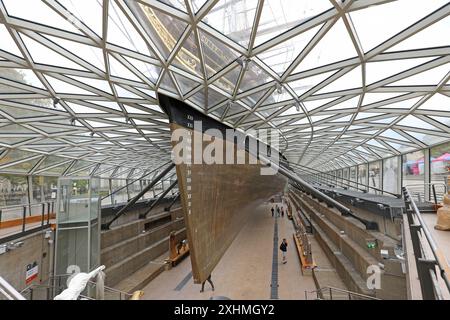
183, 282
274, 282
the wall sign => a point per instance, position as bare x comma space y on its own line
32, 272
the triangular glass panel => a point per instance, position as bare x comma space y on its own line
438, 102
233, 19
388, 120
87, 12
428, 139
8, 43
372, 32
374, 97
164, 30
215, 53
350, 80
23, 167
443, 120
376, 71
108, 104
389, 133
303, 85
405, 104
122, 33
63, 87
185, 84
167, 83
95, 83
38, 11
253, 77
149, 70
90, 54
119, 70
282, 55
338, 39
429, 77
77, 108
279, 16
187, 57
228, 81
42, 54
123, 93
251, 100
214, 98
199, 99
347, 104
414, 122
15, 155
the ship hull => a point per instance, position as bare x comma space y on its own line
217, 199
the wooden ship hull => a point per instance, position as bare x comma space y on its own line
217, 199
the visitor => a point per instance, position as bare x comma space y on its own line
210, 282
283, 248
272, 211
282, 212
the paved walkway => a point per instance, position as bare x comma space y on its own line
245, 271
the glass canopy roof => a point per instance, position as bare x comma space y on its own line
341, 80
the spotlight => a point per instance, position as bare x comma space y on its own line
279, 88
244, 63
55, 101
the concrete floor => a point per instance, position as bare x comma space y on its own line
245, 271
442, 239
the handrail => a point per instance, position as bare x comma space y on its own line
144, 215
52, 285
138, 179
106, 226
26, 205
433, 188
347, 292
9, 291
439, 256
348, 180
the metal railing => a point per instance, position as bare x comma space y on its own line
56, 284
134, 181
332, 293
18, 220
427, 192
106, 226
429, 267
316, 176
8, 291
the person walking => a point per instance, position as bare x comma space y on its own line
272, 211
283, 248
210, 282
282, 212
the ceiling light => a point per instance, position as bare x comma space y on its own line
279, 88
55, 102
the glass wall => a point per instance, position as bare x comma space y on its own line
362, 177
353, 176
13, 190
390, 175
375, 175
440, 163
413, 169
121, 195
